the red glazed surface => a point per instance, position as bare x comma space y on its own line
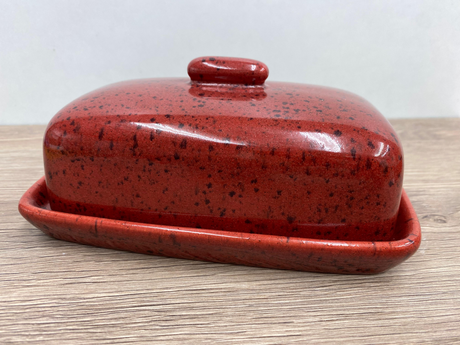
282, 159
281, 252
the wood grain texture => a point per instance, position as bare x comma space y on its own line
54, 292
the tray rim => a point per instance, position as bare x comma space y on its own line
50, 221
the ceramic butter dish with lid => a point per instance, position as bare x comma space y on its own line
229, 168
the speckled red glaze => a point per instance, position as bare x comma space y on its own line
345, 257
278, 158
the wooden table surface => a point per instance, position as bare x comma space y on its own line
54, 292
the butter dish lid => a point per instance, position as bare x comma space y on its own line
284, 158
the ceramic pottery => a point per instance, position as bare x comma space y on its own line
228, 168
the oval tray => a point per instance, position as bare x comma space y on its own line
280, 252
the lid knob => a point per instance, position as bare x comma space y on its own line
227, 70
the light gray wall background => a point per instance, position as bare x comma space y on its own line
401, 55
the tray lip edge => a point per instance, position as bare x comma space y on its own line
405, 246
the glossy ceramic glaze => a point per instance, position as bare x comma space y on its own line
225, 151
332, 256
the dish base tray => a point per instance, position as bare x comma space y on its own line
280, 252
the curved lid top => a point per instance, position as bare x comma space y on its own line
234, 89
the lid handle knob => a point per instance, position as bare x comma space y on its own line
227, 70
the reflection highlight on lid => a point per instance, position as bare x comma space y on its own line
184, 133
323, 141
382, 150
